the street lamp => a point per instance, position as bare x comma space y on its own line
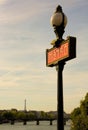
58, 21
62, 51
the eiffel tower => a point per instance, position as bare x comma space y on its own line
25, 109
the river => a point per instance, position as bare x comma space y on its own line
32, 126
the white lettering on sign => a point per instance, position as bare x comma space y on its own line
59, 53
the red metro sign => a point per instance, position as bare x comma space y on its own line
65, 52
58, 53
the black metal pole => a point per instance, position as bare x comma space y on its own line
60, 117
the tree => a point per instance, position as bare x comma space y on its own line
79, 116
84, 105
31, 116
75, 113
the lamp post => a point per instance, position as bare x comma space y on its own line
59, 21
62, 51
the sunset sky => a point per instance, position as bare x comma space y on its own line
25, 34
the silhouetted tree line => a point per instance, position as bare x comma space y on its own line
79, 116
12, 115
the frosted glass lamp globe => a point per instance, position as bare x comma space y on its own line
57, 19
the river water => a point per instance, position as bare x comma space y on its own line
32, 126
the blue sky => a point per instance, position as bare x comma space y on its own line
25, 34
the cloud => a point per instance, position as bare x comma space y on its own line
18, 11
2, 2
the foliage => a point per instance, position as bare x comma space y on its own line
79, 116
43, 115
9, 115
13, 114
